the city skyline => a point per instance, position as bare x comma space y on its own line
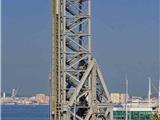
128, 31
41, 98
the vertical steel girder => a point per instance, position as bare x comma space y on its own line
78, 89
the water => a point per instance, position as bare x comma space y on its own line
24, 112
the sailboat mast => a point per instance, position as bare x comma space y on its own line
126, 99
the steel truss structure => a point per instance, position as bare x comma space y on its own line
78, 90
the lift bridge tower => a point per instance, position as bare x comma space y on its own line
78, 90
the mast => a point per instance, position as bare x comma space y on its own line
126, 100
149, 92
159, 98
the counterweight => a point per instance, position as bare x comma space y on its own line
78, 89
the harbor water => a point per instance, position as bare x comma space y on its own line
24, 112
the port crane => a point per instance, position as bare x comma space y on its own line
78, 89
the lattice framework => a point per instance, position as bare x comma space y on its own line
78, 88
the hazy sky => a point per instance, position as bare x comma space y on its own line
125, 40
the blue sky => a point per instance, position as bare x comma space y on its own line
125, 40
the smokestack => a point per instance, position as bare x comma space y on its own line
4, 95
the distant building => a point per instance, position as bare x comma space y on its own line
135, 100
115, 97
118, 98
41, 98
122, 98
